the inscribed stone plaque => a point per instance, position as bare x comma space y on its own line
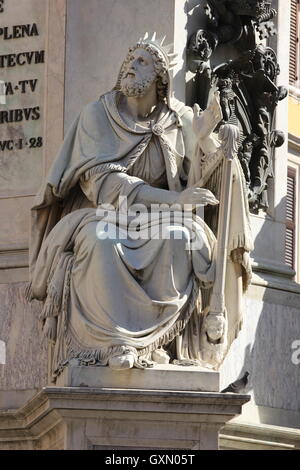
22, 57
22, 69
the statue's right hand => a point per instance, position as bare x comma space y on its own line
205, 122
49, 329
197, 196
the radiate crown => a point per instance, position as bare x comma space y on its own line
152, 40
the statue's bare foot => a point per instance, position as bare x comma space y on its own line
121, 362
160, 356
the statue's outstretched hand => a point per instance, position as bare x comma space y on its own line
205, 122
197, 196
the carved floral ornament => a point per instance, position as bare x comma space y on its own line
157, 129
260, 9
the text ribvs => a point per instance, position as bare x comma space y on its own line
20, 115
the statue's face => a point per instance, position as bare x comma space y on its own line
138, 73
215, 327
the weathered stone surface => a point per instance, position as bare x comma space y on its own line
22, 68
93, 43
246, 436
160, 377
14, 213
80, 418
26, 351
14, 399
29, 26
264, 348
22, 73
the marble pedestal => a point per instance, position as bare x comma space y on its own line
160, 377
78, 418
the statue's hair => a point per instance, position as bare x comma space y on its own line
162, 89
159, 66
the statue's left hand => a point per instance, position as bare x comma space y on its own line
205, 122
237, 255
49, 329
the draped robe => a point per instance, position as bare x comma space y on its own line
116, 295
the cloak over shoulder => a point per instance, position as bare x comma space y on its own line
100, 137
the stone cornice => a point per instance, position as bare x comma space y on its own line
294, 142
52, 405
294, 92
16, 258
252, 436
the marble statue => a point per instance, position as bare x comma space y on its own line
128, 302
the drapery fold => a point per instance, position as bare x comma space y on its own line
103, 298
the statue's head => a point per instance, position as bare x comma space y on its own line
215, 326
140, 71
147, 62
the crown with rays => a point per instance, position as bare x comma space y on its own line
158, 43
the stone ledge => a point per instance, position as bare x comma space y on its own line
274, 282
250, 436
116, 416
294, 91
160, 377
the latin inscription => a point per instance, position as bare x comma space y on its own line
18, 31
22, 58
16, 89
9, 145
20, 115
22, 84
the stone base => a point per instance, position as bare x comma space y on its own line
160, 377
81, 418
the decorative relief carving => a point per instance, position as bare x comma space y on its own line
248, 91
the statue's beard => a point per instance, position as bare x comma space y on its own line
137, 88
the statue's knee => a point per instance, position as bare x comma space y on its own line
87, 237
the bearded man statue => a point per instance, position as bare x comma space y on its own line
128, 302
